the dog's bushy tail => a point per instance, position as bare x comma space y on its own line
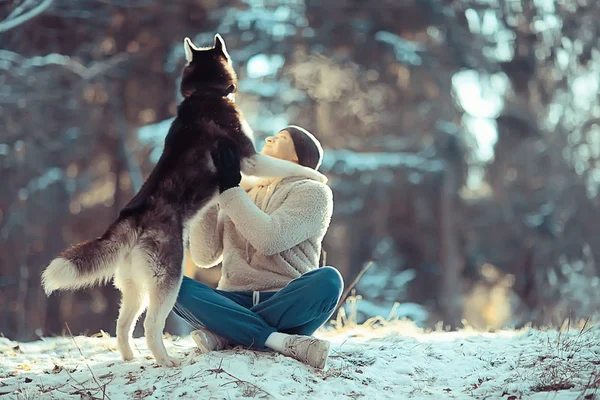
92, 262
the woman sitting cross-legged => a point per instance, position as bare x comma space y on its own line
272, 293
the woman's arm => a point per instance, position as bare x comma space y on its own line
305, 213
206, 238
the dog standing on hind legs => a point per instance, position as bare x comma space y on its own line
143, 249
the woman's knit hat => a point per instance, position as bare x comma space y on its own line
308, 148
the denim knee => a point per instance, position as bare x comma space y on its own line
329, 282
189, 290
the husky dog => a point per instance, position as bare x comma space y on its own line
143, 249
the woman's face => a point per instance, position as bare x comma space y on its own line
280, 146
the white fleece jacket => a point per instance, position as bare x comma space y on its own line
266, 237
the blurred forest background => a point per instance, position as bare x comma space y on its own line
462, 143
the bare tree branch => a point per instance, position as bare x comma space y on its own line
10, 58
19, 9
15, 20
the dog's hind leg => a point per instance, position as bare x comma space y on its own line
161, 300
163, 289
132, 305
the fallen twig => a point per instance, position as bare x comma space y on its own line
220, 370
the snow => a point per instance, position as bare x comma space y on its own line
348, 162
415, 312
376, 360
480, 95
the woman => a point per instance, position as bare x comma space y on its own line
272, 293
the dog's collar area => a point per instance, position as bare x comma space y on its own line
212, 91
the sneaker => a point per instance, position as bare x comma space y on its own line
307, 349
208, 341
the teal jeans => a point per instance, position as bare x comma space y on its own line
248, 318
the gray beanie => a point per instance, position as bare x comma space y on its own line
308, 148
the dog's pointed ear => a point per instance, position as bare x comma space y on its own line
189, 47
220, 45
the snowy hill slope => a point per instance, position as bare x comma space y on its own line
389, 360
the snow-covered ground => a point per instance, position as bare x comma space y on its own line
389, 360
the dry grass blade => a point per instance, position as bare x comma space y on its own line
349, 288
564, 361
102, 388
